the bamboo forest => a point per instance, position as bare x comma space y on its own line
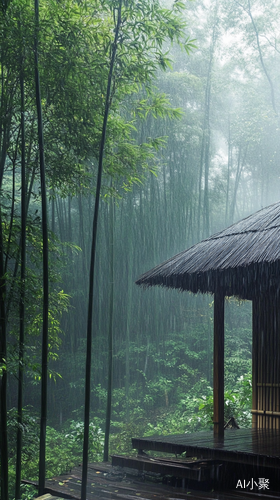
130, 131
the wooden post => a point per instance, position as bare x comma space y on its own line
255, 339
219, 364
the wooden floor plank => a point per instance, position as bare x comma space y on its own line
258, 448
104, 488
242, 445
48, 496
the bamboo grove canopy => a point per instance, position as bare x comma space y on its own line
242, 260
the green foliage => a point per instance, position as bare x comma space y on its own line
75, 434
191, 414
120, 439
30, 434
238, 403
28, 492
75, 44
58, 302
63, 448
30, 447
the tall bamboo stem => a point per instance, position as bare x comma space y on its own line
43, 425
92, 260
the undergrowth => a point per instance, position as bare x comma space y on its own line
64, 446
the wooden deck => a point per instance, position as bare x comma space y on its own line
242, 457
192, 470
107, 482
256, 447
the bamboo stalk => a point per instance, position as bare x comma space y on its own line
92, 261
22, 288
43, 423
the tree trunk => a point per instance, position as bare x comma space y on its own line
110, 334
262, 61
240, 164
205, 145
3, 375
228, 171
22, 289
92, 261
43, 424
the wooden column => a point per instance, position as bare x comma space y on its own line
219, 364
255, 340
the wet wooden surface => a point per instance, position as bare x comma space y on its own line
245, 454
107, 482
48, 496
197, 470
248, 446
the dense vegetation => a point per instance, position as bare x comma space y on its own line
188, 151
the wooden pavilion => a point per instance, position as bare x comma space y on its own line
243, 261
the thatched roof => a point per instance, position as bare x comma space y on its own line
243, 259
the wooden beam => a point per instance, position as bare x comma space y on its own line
218, 384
